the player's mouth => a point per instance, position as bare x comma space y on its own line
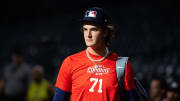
89, 40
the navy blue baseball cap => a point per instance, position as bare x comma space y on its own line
96, 15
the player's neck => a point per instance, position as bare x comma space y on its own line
98, 51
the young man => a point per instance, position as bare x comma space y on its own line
90, 75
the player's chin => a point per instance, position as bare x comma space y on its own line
89, 44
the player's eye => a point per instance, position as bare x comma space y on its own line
94, 29
84, 29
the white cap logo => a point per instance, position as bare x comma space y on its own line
91, 14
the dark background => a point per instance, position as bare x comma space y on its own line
48, 30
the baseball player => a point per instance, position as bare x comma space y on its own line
90, 75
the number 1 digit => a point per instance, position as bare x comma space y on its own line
100, 86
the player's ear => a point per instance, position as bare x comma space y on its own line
105, 33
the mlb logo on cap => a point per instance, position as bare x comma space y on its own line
96, 15
91, 14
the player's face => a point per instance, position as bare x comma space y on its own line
93, 35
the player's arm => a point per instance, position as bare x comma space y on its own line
129, 82
61, 95
64, 81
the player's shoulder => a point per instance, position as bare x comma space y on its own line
113, 55
81, 53
78, 55
119, 56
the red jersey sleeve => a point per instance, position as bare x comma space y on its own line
64, 77
129, 78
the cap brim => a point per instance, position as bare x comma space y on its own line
89, 20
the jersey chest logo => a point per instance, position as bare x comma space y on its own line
98, 69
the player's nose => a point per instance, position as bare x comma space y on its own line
89, 34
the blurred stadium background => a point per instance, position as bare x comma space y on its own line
48, 31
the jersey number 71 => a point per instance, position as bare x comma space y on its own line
94, 84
